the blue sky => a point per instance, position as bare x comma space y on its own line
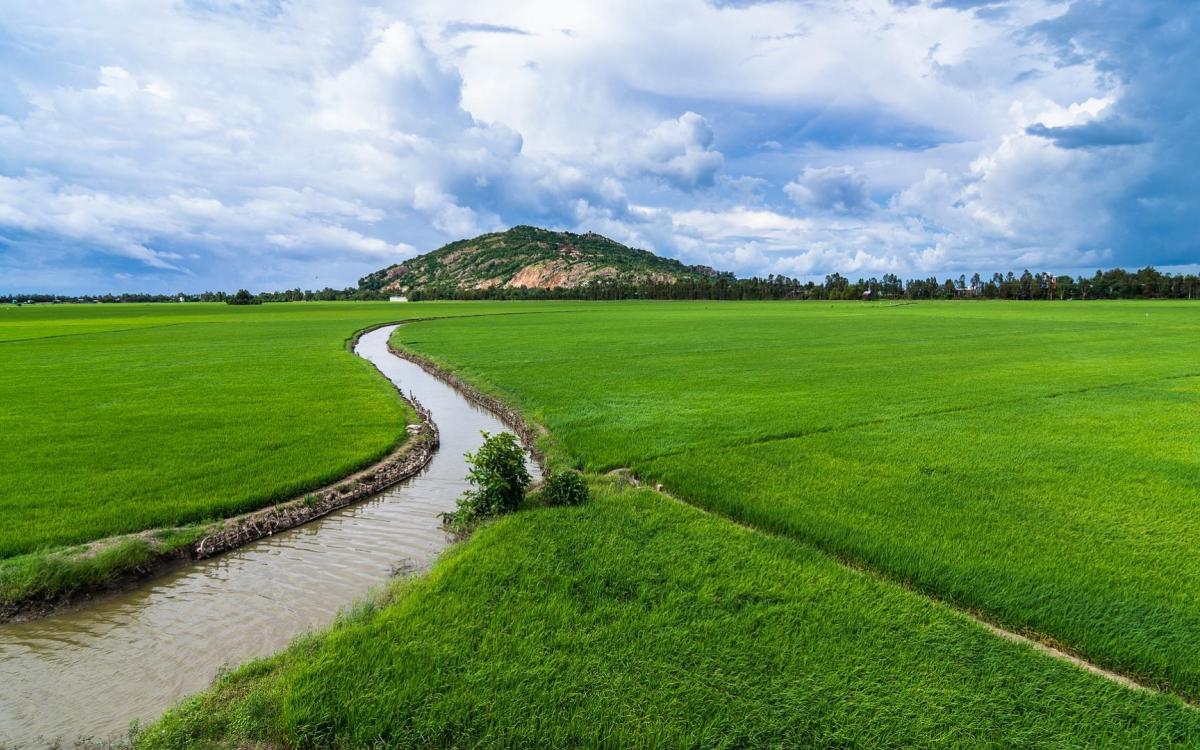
215, 144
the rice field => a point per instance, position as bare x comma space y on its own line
634, 621
120, 418
1037, 463
1032, 463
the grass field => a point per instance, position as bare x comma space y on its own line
158, 416
119, 418
1035, 462
635, 621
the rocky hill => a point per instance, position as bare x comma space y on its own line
528, 257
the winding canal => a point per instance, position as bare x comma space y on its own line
88, 672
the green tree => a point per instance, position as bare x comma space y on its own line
499, 477
243, 297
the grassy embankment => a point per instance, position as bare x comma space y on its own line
635, 621
123, 418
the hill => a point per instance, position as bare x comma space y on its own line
532, 258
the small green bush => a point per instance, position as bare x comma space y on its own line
565, 488
499, 475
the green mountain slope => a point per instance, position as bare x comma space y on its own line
529, 257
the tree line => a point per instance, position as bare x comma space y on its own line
1116, 283
242, 296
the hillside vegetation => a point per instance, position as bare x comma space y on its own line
528, 257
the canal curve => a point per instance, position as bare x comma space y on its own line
89, 671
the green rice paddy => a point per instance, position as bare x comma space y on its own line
1037, 463
119, 418
635, 621
1034, 463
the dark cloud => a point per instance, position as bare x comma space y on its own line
1151, 49
1097, 134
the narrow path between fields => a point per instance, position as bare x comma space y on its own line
996, 629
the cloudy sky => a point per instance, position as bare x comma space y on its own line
211, 144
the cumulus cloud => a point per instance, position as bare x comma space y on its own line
839, 189
398, 90
680, 151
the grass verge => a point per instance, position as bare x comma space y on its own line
39, 579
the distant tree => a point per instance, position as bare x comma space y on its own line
243, 297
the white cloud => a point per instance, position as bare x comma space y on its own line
679, 151
398, 89
838, 189
282, 142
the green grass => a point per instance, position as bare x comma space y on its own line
45, 576
1037, 462
120, 418
634, 621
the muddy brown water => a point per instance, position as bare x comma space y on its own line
88, 672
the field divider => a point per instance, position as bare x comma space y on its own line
410, 458
1037, 641
100, 332
529, 433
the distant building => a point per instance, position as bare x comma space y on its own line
397, 299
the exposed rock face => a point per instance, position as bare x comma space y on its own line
529, 258
557, 273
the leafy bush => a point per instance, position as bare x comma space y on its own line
565, 488
499, 475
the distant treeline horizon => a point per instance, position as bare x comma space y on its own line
1116, 283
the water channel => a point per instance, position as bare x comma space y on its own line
89, 671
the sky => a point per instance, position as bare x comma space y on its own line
186, 145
